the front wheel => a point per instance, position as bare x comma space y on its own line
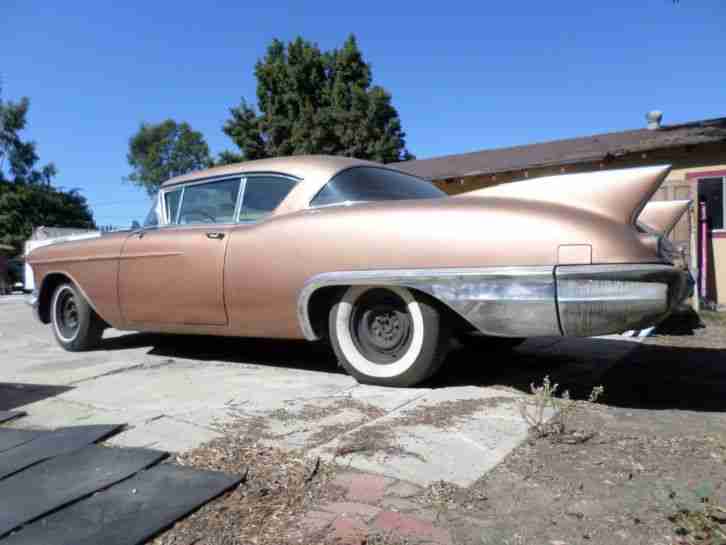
387, 335
76, 325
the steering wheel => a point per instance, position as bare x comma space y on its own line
201, 213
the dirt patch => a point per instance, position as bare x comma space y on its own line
257, 428
372, 440
327, 433
620, 487
447, 413
311, 412
381, 438
654, 472
278, 487
249, 429
315, 413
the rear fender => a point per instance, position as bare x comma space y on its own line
498, 301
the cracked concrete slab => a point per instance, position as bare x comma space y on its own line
164, 433
55, 413
178, 392
454, 434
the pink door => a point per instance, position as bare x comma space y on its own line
174, 275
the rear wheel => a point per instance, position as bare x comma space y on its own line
76, 325
387, 336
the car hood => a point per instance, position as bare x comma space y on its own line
104, 246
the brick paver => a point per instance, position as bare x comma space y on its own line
366, 488
349, 530
360, 510
413, 527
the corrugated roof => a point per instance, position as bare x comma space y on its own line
597, 147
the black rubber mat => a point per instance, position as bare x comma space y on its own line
128, 513
18, 394
10, 437
10, 415
51, 444
54, 483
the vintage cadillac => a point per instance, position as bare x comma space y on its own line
380, 264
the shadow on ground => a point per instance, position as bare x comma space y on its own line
15, 394
634, 376
642, 377
683, 322
273, 352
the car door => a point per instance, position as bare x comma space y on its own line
254, 265
173, 274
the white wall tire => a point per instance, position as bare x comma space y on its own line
406, 349
75, 324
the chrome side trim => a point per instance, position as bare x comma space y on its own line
499, 301
54, 260
627, 269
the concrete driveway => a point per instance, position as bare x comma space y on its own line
176, 392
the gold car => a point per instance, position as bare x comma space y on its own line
379, 263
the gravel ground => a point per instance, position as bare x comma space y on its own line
659, 449
653, 470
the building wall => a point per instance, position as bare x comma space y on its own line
719, 269
680, 184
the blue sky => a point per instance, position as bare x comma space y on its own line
464, 76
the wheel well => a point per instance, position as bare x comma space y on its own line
50, 283
323, 299
455, 322
319, 305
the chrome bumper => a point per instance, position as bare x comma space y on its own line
581, 300
603, 299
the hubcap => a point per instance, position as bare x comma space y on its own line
66, 314
381, 326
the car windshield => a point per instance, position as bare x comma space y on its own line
152, 218
362, 184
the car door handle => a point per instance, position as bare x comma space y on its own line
215, 235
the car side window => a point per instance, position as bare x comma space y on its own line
172, 199
212, 202
262, 194
152, 218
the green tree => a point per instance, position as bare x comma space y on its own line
311, 101
27, 198
161, 151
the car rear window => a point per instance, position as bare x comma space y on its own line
363, 184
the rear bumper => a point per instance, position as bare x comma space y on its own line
577, 300
603, 299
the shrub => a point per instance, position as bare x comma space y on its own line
534, 408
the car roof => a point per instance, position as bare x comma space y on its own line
313, 171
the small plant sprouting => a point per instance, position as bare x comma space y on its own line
534, 408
